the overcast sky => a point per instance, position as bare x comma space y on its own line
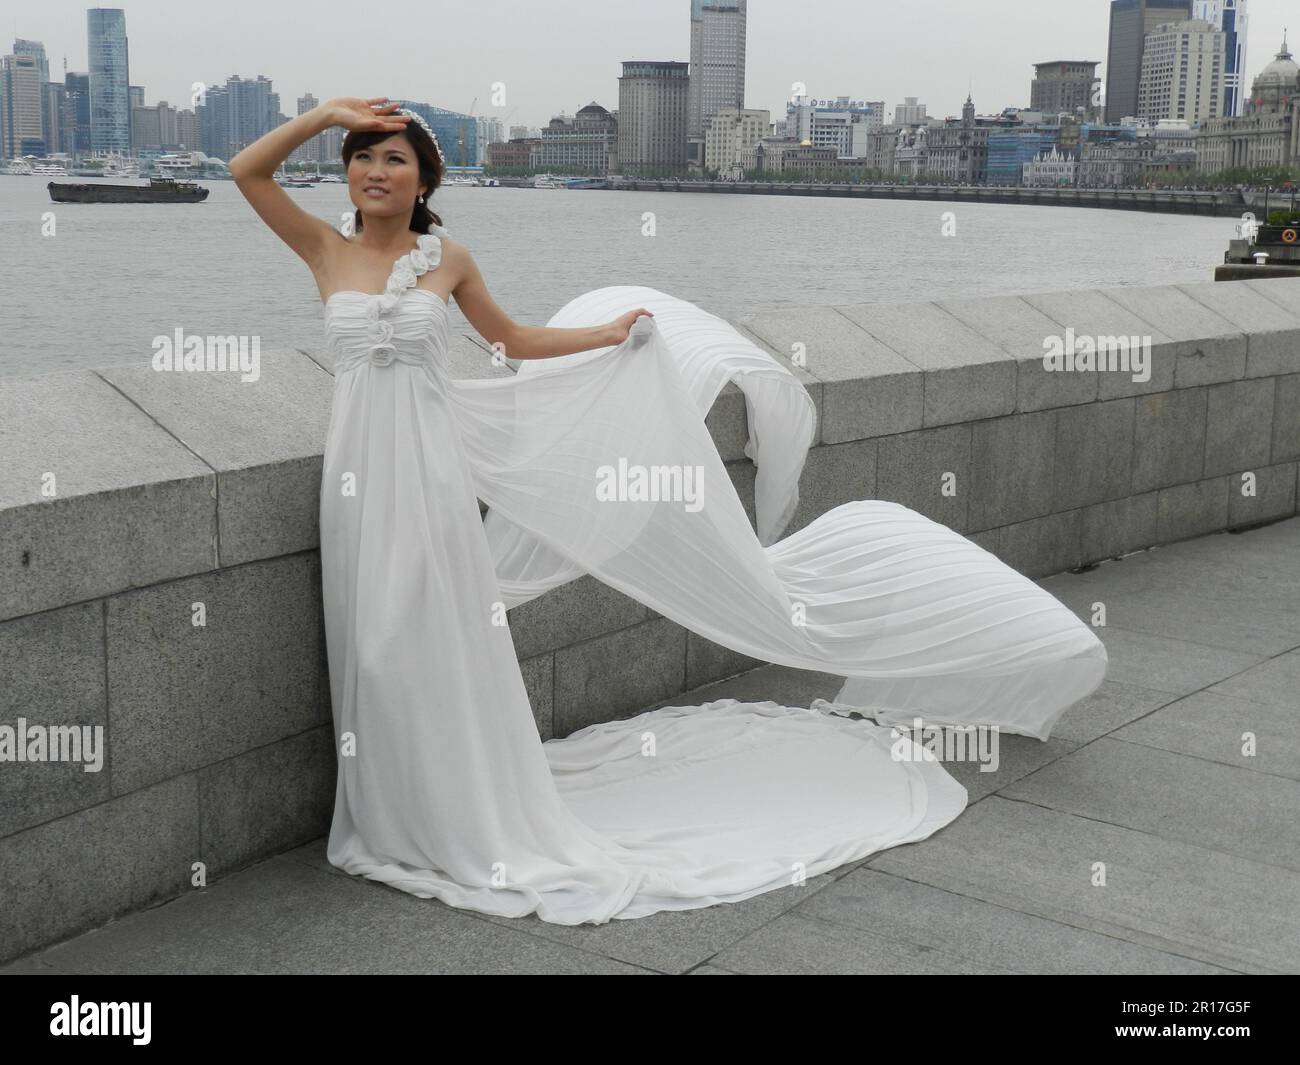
558, 55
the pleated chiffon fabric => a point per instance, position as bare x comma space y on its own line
601, 464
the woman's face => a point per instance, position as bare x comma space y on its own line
384, 179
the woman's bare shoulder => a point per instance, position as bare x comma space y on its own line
456, 256
457, 260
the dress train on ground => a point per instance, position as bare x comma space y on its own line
604, 465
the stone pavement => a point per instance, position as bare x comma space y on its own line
1201, 844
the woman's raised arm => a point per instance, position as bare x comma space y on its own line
253, 169
526, 341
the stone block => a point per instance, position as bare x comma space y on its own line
576, 611
182, 696
593, 682
1189, 510
1117, 527
1013, 463
52, 677
1271, 495
914, 468
1239, 426
867, 389
1094, 453
1020, 330
1206, 347
95, 496
1272, 333
268, 799
80, 871
834, 474
966, 376
1090, 313
1168, 439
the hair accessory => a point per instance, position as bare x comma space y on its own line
425, 126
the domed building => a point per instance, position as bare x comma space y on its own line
584, 144
1268, 134
1276, 85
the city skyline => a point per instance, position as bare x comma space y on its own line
570, 74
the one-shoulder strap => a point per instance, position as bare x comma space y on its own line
425, 256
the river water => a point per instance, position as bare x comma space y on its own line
111, 277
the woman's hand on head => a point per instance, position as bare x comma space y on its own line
363, 116
621, 326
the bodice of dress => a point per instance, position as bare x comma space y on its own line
401, 324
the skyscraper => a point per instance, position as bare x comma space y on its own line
909, 112
36, 49
1182, 72
1231, 17
717, 70
1063, 85
21, 132
1130, 22
76, 112
653, 98
110, 99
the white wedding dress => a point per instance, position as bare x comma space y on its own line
445, 789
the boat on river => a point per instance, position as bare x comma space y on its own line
159, 190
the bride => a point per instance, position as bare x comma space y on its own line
445, 789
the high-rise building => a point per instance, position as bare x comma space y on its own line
1182, 72
49, 122
53, 106
234, 115
1232, 18
1130, 22
1064, 86
20, 107
213, 111
492, 131
158, 128
312, 150
187, 130
110, 92
36, 49
652, 117
254, 110
909, 112
717, 72
76, 113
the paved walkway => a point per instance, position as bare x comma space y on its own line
1200, 844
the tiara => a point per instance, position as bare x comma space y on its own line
425, 126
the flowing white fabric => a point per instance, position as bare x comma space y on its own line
708, 353
603, 465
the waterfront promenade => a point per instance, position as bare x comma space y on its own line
1219, 202
1201, 845
1168, 496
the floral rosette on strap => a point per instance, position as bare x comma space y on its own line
425, 256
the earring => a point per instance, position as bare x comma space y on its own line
419, 199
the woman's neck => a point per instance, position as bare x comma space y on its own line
386, 234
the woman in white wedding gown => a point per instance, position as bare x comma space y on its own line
445, 789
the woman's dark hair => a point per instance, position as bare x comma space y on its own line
426, 157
